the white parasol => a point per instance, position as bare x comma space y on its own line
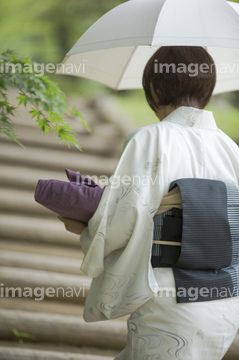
116, 48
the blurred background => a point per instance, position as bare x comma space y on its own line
35, 250
46, 30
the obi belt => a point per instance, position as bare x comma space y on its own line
201, 221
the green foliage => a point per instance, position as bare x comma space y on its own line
22, 335
234, 99
53, 25
48, 29
46, 101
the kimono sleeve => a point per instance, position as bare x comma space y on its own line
117, 243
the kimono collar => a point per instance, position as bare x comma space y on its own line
192, 117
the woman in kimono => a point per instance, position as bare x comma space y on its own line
117, 243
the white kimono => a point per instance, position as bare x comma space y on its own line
118, 241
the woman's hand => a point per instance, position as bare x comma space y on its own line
73, 226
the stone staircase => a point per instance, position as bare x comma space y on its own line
36, 252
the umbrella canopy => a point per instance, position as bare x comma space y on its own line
115, 49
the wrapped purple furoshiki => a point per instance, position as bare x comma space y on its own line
77, 199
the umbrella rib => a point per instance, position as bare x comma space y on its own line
125, 67
201, 21
160, 15
78, 49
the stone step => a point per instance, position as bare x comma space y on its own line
8, 353
60, 348
233, 352
45, 306
91, 143
75, 331
57, 159
37, 253
70, 309
39, 230
49, 307
23, 202
19, 353
40, 285
60, 264
108, 109
40, 248
108, 353
69, 330
23, 177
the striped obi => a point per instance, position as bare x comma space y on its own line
206, 265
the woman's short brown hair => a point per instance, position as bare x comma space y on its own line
169, 78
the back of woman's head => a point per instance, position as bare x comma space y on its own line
179, 76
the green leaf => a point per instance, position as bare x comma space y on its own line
21, 98
22, 334
48, 103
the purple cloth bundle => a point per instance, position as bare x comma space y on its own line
77, 199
